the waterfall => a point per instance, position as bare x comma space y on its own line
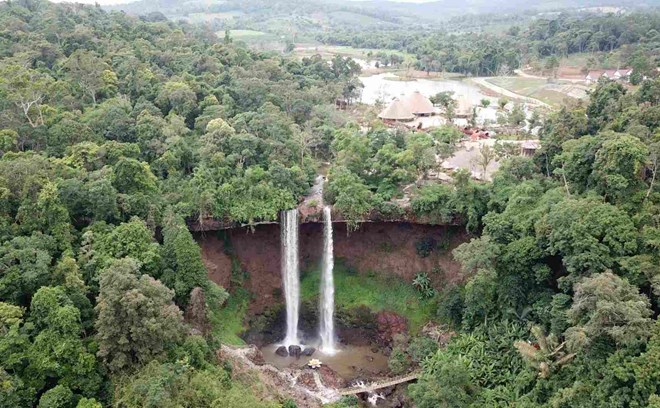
327, 301
290, 278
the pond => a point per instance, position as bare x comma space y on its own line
349, 361
385, 87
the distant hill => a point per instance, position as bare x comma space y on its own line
384, 10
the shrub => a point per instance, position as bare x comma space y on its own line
421, 347
57, 397
398, 363
423, 284
425, 246
450, 307
289, 403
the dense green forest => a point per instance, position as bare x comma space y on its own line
500, 37
475, 53
560, 304
116, 130
113, 130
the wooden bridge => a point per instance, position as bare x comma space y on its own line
378, 385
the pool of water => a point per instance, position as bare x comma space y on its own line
385, 87
349, 361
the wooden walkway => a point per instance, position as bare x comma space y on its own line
378, 385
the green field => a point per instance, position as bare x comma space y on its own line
351, 18
531, 87
523, 86
256, 39
246, 35
206, 17
328, 51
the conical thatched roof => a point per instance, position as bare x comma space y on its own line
419, 104
397, 110
463, 108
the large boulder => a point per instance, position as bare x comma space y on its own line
308, 351
256, 356
294, 351
306, 380
282, 351
390, 324
331, 378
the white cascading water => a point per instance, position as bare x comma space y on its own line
290, 274
327, 301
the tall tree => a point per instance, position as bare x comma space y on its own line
606, 305
137, 320
183, 259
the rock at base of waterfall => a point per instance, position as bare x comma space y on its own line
331, 378
389, 325
282, 351
255, 355
308, 351
306, 379
294, 351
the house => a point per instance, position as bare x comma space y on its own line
397, 111
593, 76
621, 74
624, 73
463, 109
529, 147
419, 104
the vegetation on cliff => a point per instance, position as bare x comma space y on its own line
114, 130
561, 287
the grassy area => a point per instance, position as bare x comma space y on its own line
604, 59
306, 50
246, 35
227, 320
207, 17
377, 291
356, 19
531, 87
551, 97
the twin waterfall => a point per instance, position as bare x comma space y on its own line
290, 274
327, 302
291, 280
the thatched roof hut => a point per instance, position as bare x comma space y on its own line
463, 108
398, 111
419, 104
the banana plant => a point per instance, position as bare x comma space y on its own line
546, 355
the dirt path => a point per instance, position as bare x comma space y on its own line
482, 81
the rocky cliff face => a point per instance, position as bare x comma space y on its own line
387, 247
